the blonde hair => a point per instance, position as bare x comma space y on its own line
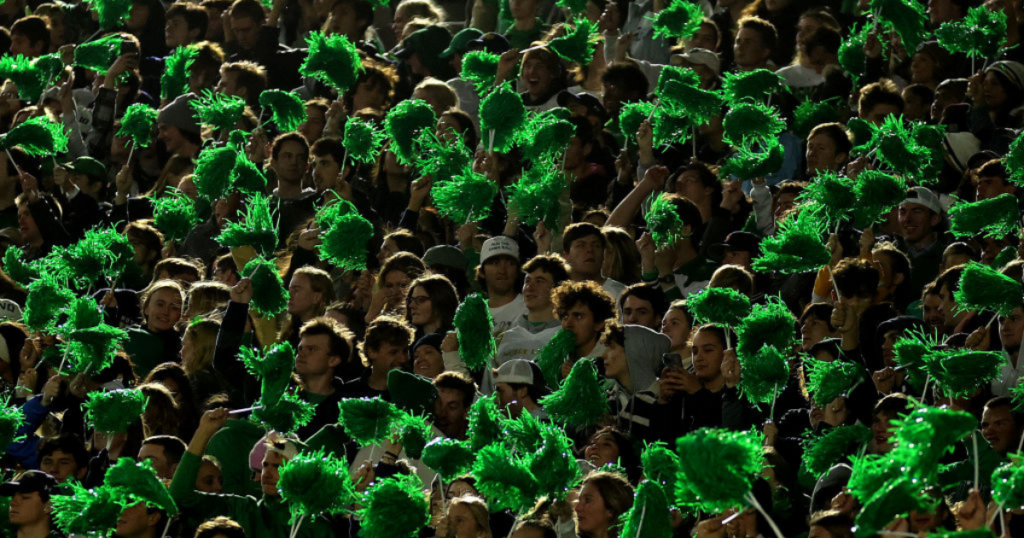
478, 509
205, 334
439, 92
206, 296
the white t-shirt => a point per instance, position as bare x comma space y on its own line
798, 76
614, 288
505, 316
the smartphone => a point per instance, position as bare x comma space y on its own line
128, 47
672, 361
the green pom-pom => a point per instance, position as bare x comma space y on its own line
11, 418
175, 215
931, 138
769, 324
474, 327
862, 131
1014, 161
502, 113
26, 74
327, 215
1008, 486
577, 45
256, 229
631, 116
20, 271
174, 79
554, 353
670, 73
749, 122
574, 7
442, 159
1005, 256
485, 424
664, 222
821, 453
111, 13
745, 163
909, 353
545, 136
852, 58
892, 500
367, 420
995, 217
979, 35
554, 465
212, 174
757, 86
137, 482
246, 177
877, 193
37, 137
796, 248
46, 298
315, 484
536, 196
661, 466
83, 313
86, 511
649, 516
403, 125
98, 55
827, 381
344, 243
524, 433
287, 415
810, 114
481, 68
273, 367
764, 375
362, 140
505, 479
831, 196
270, 297
465, 197
286, 108
691, 102
895, 146
91, 258
116, 410
580, 401
717, 468
137, 124
905, 17
721, 306
985, 288
448, 458
924, 436
218, 111
395, 507
959, 372
49, 67
414, 433
333, 60
94, 349
679, 20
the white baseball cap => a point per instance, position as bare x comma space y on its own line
925, 197
515, 371
499, 246
699, 57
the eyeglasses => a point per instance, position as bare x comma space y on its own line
422, 299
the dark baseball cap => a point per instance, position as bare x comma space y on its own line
593, 105
460, 43
490, 42
87, 166
743, 241
428, 43
30, 482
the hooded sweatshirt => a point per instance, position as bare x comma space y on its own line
633, 408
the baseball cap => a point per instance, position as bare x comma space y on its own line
428, 43
961, 147
9, 310
744, 241
460, 43
499, 246
274, 442
516, 371
923, 196
88, 166
490, 42
179, 113
30, 482
700, 57
593, 105
445, 255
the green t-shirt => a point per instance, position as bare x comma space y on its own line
522, 39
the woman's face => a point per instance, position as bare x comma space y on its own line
689, 185
888, 343
461, 522
419, 307
707, 358
922, 68
163, 310
995, 94
142, 255
602, 450
459, 488
592, 515
676, 327
427, 362
705, 38
539, 77
369, 94
447, 129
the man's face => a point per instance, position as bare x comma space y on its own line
705, 38
947, 306
291, 162
171, 137
992, 186
388, 357
538, 76
637, 311
537, 291
27, 225
940, 11
301, 297
176, 32
943, 98
229, 85
272, 461
880, 434
812, 331
325, 172
450, 413
1011, 328
737, 257
343, 20
247, 32
209, 479
586, 256
60, 466
932, 307
20, 44
500, 274
784, 203
313, 127
749, 50
313, 357
509, 398
821, 155
135, 521
155, 454
614, 358
28, 508
999, 429
580, 320
917, 221
878, 113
